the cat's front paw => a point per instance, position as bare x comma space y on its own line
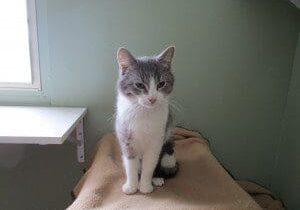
129, 188
158, 182
146, 188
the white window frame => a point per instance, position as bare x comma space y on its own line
34, 53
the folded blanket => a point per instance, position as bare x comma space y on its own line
201, 182
261, 195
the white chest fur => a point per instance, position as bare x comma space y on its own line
146, 125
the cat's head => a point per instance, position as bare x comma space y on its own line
146, 80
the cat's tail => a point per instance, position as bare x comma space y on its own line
167, 166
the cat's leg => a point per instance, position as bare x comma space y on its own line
149, 162
130, 160
131, 168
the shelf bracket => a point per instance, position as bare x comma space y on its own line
80, 141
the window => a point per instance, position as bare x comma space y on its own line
19, 63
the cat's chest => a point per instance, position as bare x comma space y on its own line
149, 123
147, 130
145, 123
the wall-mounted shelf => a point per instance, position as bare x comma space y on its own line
42, 125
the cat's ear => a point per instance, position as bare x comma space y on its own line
166, 56
125, 59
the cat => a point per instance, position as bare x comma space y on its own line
143, 119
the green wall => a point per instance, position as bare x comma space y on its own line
286, 178
232, 65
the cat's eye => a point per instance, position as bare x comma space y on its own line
160, 85
140, 85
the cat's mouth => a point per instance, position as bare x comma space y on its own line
148, 106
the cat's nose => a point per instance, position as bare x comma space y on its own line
152, 100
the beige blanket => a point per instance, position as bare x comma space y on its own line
201, 183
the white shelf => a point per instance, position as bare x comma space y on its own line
38, 125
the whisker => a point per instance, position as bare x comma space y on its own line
178, 104
111, 118
174, 106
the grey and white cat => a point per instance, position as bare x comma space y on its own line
143, 119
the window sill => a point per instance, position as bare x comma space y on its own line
21, 96
19, 87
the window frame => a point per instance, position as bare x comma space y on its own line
34, 53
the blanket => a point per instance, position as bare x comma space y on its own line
201, 183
